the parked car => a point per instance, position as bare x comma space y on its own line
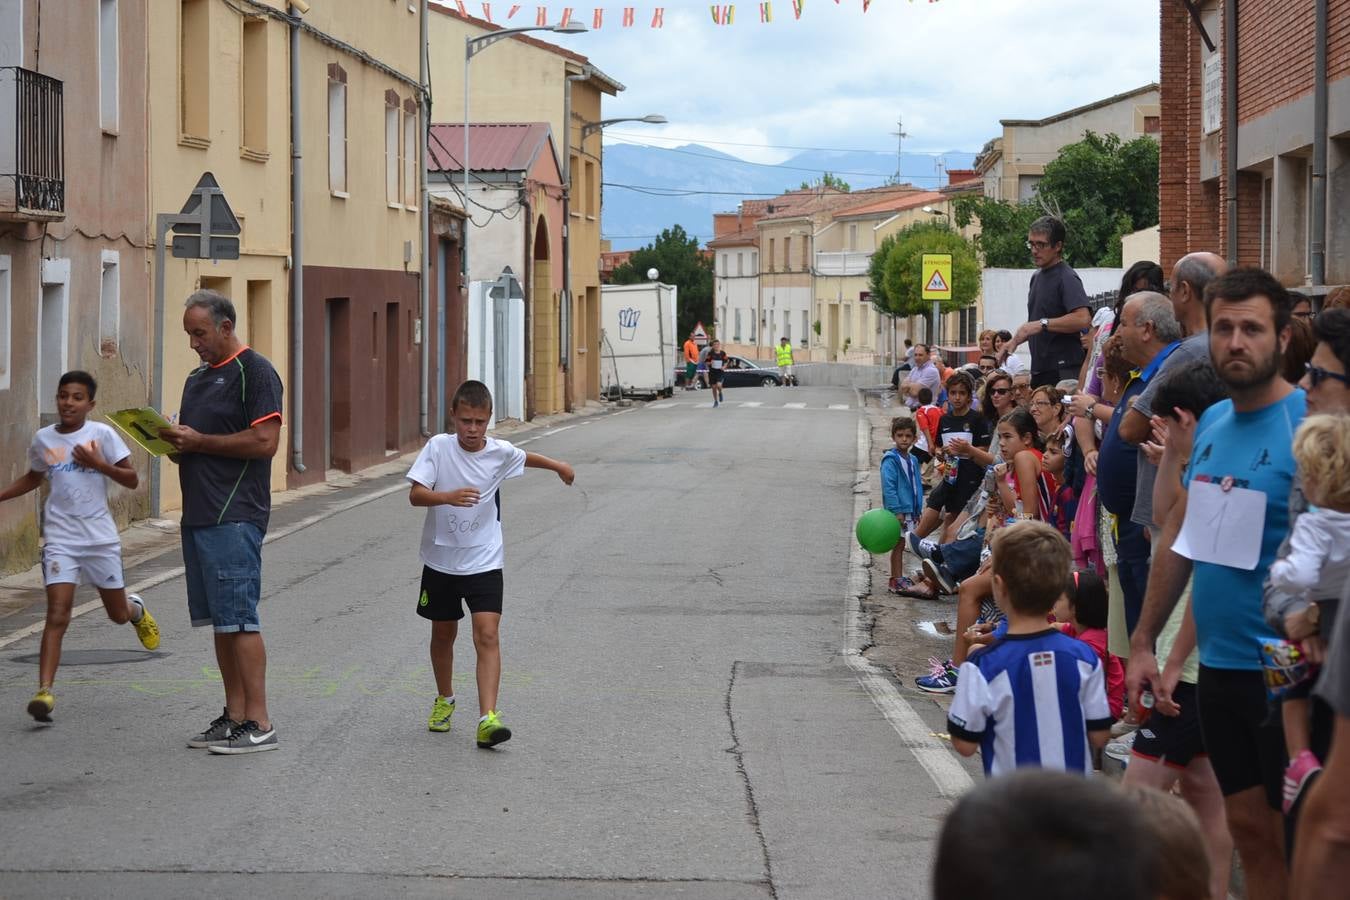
742, 372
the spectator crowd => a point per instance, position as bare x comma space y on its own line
1146, 532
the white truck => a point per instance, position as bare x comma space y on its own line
638, 344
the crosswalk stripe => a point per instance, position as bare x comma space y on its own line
794, 406
751, 404
668, 405
838, 406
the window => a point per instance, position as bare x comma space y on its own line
253, 78
735, 335
754, 262
806, 255
260, 316
806, 326
109, 305
194, 69
787, 325
108, 65
337, 130
770, 254
5, 330
1152, 124
53, 331
754, 327
853, 236
411, 185
391, 151
787, 254
740, 263
592, 191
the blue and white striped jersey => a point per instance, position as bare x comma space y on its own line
1029, 701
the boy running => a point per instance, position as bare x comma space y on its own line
717, 367
457, 477
81, 536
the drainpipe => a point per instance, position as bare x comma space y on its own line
1317, 267
297, 256
567, 329
424, 227
527, 288
1230, 123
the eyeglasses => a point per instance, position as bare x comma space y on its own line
1021, 387
1038, 245
1041, 404
1317, 375
1000, 391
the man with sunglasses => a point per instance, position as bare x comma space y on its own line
1057, 306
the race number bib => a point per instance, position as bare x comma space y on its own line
474, 526
1223, 525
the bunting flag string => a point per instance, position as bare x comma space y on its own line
722, 14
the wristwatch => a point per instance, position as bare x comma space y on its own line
1045, 324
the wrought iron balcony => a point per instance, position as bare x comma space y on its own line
32, 145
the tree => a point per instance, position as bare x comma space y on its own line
826, 181
902, 269
676, 256
1101, 187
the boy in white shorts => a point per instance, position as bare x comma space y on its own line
456, 476
81, 536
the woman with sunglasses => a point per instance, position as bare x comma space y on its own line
997, 398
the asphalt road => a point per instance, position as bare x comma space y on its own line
687, 723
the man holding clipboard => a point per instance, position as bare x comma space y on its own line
1238, 482
228, 429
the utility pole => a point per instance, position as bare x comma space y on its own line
899, 135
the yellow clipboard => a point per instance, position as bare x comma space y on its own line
142, 425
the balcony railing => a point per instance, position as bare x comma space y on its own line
32, 151
844, 262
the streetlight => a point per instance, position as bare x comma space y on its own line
934, 212
587, 129
472, 46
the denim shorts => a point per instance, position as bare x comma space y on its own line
224, 575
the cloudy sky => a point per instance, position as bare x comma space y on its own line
839, 78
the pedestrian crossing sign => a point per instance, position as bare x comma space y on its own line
937, 276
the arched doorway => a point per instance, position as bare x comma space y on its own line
545, 345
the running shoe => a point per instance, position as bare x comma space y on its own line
218, 731
441, 712
1119, 750
939, 576
942, 680
147, 629
41, 706
901, 584
248, 737
1301, 770
921, 547
491, 731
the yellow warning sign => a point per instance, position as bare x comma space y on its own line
937, 276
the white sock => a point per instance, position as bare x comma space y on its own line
450, 699
483, 718
137, 608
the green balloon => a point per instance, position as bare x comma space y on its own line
878, 531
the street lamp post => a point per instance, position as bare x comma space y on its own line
587, 129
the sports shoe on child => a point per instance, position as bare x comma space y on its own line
1301, 768
218, 731
441, 712
939, 576
921, 547
248, 737
41, 706
942, 680
1119, 750
491, 731
147, 629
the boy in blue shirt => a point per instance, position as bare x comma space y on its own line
1037, 697
902, 486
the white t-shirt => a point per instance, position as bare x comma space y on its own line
464, 540
77, 507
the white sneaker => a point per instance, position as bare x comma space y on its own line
1120, 750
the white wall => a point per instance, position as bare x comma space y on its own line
1005, 294
497, 243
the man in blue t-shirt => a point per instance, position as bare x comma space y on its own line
1242, 449
228, 430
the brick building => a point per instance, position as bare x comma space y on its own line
1251, 192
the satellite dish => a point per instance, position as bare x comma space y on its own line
652, 274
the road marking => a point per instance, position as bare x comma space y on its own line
794, 406
666, 405
947, 774
751, 404
839, 406
171, 574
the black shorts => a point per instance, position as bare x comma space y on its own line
715, 376
1173, 740
1245, 744
951, 498
442, 597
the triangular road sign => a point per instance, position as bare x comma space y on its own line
223, 219
936, 283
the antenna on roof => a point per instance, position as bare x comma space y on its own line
940, 166
899, 135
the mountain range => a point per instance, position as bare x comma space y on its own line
648, 189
